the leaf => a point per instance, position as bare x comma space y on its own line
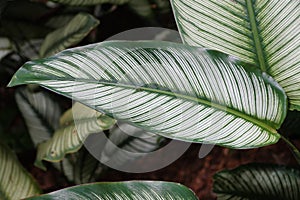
86, 168
75, 125
134, 190
258, 181
128, 143
41, 113
174, 90
89, 2
69, 35
13, 177
80, 167
261, 32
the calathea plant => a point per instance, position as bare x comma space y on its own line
230, 83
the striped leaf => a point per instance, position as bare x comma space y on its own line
41, 113
175, 90
262, 32
89, 2
86, 168
80, 167
128, 143
69, 35
75, 125
133, 190
259, 182
16, 182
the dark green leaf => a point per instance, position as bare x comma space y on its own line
258, 182
134, 190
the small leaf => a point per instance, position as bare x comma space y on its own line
171, 89
41, 113
76, 124
133, 190
258, 182
89, 2
16, 182
68, 35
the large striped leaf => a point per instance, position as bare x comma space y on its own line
71, 134
262, 32
16, 183
89, 2
259, 182
133, 190
70, 34
41, 113
175, 90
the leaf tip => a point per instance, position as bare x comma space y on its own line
14, 82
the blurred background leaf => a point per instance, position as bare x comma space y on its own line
16, 182
70, 34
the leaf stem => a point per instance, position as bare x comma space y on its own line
294, 149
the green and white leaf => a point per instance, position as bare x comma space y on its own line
259, 182
16, 182
75, 125
90, 2
69, 35
133, 190
262, 32
128, 143
41, 113
171, 89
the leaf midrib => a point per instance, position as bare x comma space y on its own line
259, 50
205, 102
